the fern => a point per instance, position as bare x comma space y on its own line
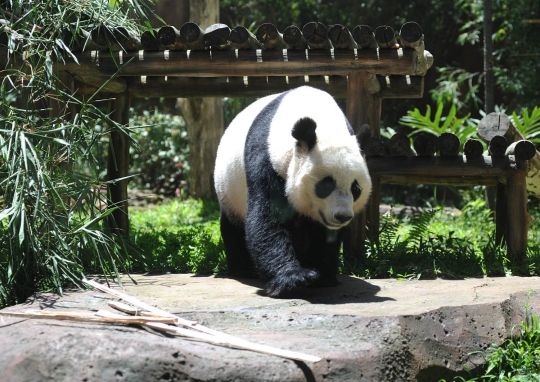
528, 125
447, 124
420, 228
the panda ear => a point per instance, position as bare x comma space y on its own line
304, 131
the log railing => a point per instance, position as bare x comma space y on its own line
436, 161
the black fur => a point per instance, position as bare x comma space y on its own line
304, 131
286, 249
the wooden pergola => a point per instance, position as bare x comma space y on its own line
363, 65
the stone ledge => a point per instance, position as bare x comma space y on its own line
365, 330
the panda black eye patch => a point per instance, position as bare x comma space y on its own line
325, 187
356, 190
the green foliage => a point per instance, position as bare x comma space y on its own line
440, 124
528, 125
179, 236
51, 224
186, 250
435, 244
163, 163
450, 83
515, 56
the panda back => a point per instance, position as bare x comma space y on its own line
229, 172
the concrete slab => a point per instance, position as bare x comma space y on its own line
365, 330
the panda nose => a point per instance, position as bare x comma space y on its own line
343, 217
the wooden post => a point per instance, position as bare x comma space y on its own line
518, 216
363, 108
501, 215
118, 167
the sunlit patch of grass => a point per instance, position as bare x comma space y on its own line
180, 236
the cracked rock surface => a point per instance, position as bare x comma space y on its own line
364, 330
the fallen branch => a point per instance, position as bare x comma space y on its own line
240, 344
207, 335
99, 316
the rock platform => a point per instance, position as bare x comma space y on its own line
364, 330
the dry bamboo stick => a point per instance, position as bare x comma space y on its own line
215, 336
241, 344
82, 316
140, 304
133, 310
157, 311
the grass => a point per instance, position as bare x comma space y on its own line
183, 236
178, 236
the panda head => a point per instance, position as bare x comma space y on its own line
327, 178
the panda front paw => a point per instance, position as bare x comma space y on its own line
291, 279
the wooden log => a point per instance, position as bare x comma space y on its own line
443, 167
316, 35
400, 146
518, 216
118, 168
248, 63
411, 35
81, 41
269, 36
425, 144
217, 36
364, 37
495, 124
341, 37
473, 149
521, 150
293, 37
362, 108
376, 146
192, 36
497, 146
448, 144
385, 37
242, 38
103, 37
501, 214
169, 37
454, 181
126, 39
150, 40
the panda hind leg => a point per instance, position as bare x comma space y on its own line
239, 262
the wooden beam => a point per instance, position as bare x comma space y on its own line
245, 62
363, 108
518, 216
458, 181
184, 87
118, 167
442, 167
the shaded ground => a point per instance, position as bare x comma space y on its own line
375, 330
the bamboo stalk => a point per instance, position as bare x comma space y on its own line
241, 344
102, 316
208, 335
140, 304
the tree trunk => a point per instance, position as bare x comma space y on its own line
204, 116
204, 120
488, 59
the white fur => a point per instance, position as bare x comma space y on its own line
336, 154
229, 172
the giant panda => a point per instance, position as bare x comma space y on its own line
289, 175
